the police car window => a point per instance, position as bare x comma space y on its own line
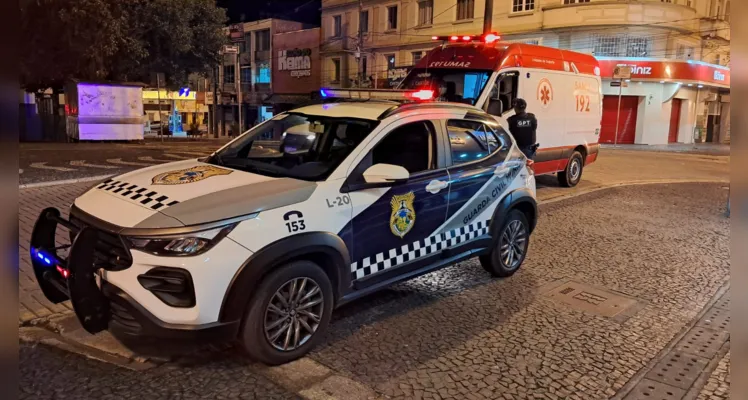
471, 140
295, 145
411, 146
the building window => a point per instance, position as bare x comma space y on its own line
683, 52
621, 46
262, 40
416, 56
564, 41
363, 21
242, 47
426, 12
246, 76
229, 74
263, 72
391, 17
575, 1
390, 60
666, 1
336, 70
465, 9
337, 26
523, 5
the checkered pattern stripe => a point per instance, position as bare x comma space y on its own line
418, 249
136, 193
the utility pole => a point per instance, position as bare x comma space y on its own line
488, 17
360, 41
215, 103
239, 93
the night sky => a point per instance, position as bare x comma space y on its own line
306, 11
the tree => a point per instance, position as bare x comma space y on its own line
118, 40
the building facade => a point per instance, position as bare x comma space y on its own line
373, 43
253, 68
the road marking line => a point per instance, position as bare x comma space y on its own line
43, 165
177, 156
194, 153
151, 159
83, 163
64, 182
120, 162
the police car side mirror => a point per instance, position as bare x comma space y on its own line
385, 174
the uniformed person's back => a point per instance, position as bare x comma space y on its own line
523, 126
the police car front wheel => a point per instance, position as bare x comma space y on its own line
287, 315
511, 246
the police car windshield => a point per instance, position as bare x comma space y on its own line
295, 145
458, 84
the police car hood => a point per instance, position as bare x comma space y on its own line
188, 193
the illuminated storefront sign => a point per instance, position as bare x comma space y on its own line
668, 70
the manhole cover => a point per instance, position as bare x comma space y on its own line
648, 389
678, 369
702, 342
590, 299
715, 318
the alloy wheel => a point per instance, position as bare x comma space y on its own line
513, 244
293, 314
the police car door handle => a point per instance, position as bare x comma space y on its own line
436, 186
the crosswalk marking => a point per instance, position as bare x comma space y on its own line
43, 165
83, 163
120, 162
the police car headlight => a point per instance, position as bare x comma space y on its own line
189, 244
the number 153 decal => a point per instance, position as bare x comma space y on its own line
294, 221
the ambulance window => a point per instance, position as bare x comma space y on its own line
471, 140
503, 93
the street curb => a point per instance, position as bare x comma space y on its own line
64, 182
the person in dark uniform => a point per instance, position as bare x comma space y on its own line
523, 125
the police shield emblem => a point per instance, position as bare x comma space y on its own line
403, 214
189, 175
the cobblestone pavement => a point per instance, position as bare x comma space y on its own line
457, 333
718, 385
48, 373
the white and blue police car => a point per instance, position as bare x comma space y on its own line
262, 239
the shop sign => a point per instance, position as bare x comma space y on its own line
396, 75
298, 61
670, 70
236, 32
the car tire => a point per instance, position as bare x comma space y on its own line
497, 261
262, 317
571, 175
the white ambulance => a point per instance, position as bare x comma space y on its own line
562, 88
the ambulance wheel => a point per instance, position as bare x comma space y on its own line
570, 176
288, 314
511, 247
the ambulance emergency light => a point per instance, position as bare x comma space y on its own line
487, 38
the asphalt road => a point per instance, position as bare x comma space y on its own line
659, 252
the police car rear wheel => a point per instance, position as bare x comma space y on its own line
288, 314
570, 176
511, 248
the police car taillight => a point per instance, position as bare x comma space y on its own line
423, 94
530, 166
487, 38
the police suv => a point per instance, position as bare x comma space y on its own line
261, 240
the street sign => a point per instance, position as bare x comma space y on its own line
230, 49
622, 72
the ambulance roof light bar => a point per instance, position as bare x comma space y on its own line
487, 38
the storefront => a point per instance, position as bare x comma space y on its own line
665, 101
189, 105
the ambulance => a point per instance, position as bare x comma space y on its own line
562, 88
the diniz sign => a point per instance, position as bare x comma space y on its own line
669, 70
298, 61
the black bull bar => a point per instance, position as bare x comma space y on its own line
74, 276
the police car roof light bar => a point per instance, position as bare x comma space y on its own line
377, 94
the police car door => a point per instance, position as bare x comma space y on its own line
391, 225
484, 165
